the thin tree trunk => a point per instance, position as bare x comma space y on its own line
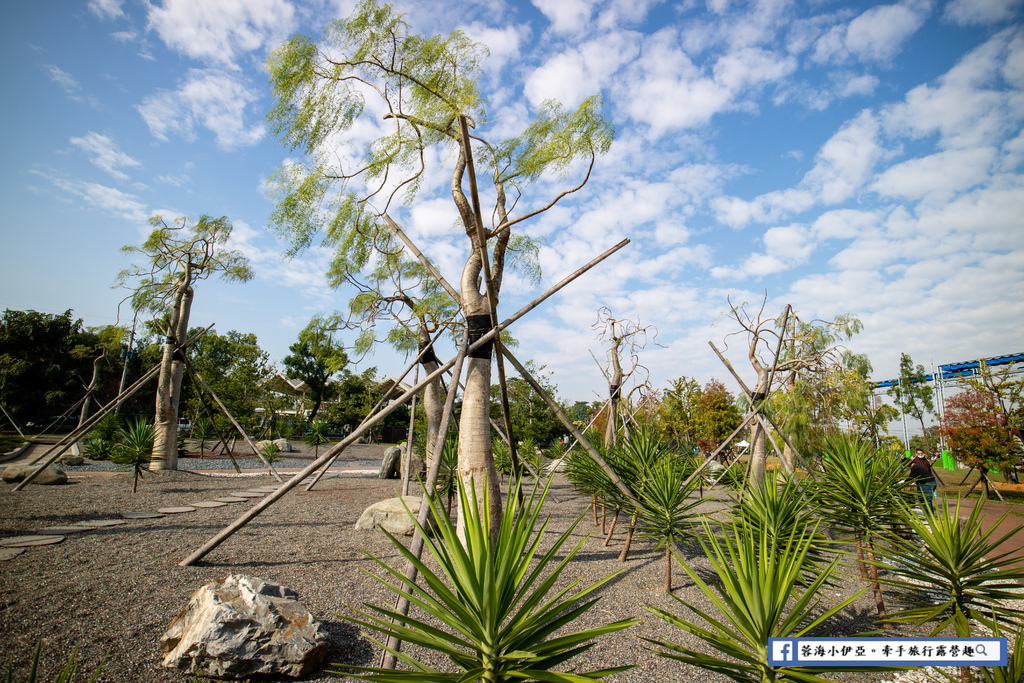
875, 586
608, 538
668, 566
593, 505
629, 539
860, 556
165, 443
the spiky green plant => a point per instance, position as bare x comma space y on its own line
1013, 671
861, 492
270, 451
961, 568
65, 675
134, 449
667, 508
317, 436
204, 431
758, 595
493, 601
502, 457
447, 474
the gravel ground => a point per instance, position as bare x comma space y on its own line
115, 590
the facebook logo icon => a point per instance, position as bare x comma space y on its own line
783, 651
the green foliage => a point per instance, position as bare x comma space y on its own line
760, 594
65, 675
314, 359
494, 603
705, 415
448, 473
976, 430
912, 394
38, 373
502, 456
960, 569
134, 449
1013, 672
103, 438
236, 368
177, 256
667, 506
531, 417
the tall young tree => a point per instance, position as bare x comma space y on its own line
174, 257
421, 86
912, 394
315, 358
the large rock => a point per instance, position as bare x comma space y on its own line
241, 626
392, 517
417, 467
71, 459
284, 444
391, 464
49, 476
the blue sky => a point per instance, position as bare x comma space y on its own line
848, 158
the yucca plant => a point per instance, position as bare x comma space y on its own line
502, 457
134, 449
447, 475
861, 492
666, 508
1013, 671
317, 436
961, 568
270, 451
65, 675
204, 431
489, 607
780, 511
758, 596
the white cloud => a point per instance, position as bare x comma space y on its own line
106, 9
63, 79
877, 35
105, 153
940, 174
218, 32
785, 248
968, 12
966, 106
577, 73
503, 44
108, 199
566, 16
213, 99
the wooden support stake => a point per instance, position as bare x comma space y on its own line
206, 408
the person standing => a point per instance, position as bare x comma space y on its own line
921, 474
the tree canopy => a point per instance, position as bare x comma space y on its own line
315, 358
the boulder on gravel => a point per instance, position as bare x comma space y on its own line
418, 467
391, 464
240, 626
392, 517
71, 459
284, 444
49, 476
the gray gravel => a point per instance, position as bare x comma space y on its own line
115, 590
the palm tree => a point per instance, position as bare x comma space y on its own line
203, 430
666, 508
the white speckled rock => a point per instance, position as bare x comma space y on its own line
241, 626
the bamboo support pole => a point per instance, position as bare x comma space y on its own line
423, 259
209, 413
408, 440
264, 503
83, 429
231, 417
416, 545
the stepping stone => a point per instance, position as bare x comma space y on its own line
25, 541
208, 504
10, 553
246, 494
174, 511
141, 515
266, 489
63, 530
230, 499
101, 522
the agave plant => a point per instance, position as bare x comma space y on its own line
134, 449
861, 492
961, 569
493, 601
758, 595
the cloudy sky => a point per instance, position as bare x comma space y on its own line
847, 158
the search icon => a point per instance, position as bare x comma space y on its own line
980, 649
